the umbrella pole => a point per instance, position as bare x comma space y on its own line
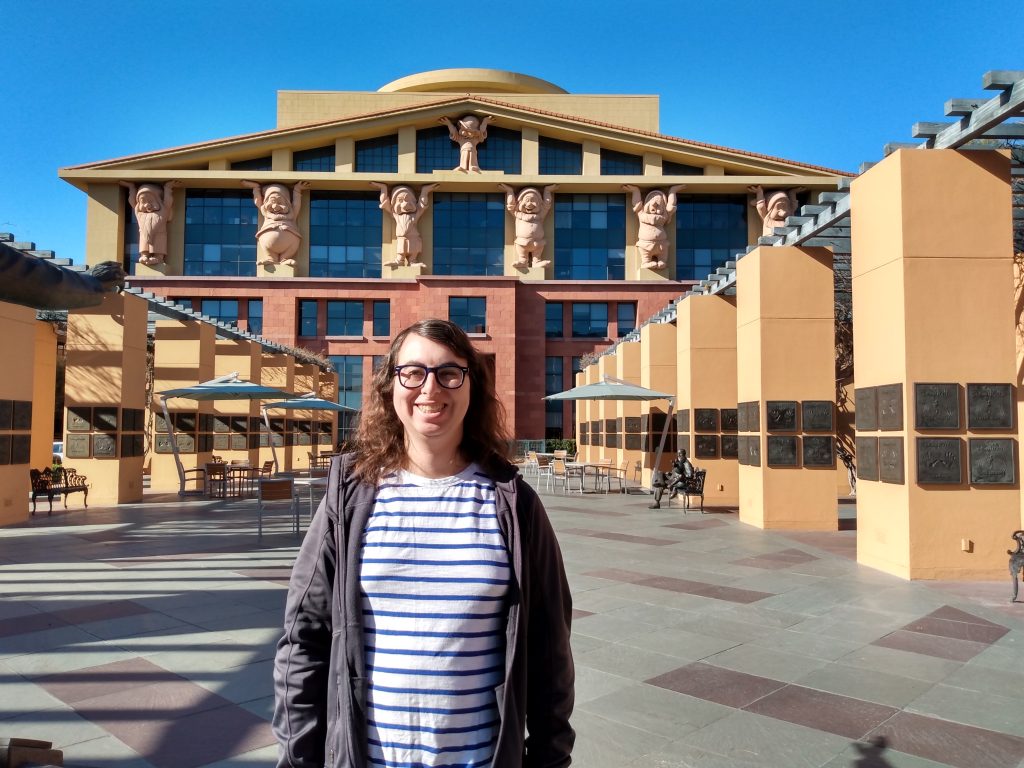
270, 439
664, 434
174, 447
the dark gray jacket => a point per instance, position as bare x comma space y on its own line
320, 670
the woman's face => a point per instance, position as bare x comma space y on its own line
431, 413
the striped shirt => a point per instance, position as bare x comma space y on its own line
434, 577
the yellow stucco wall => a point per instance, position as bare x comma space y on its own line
17, 342
657, 372
44, 391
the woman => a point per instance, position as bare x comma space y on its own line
428, 615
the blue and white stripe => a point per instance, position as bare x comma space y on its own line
434, 577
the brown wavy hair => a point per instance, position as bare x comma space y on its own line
379, 443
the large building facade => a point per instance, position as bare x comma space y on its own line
408, 202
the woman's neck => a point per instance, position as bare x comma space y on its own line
433, 464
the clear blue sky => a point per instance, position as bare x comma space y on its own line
826, 83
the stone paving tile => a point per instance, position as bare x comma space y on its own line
958, 745
931, 645
867, 684
680, 644
625, 661
896, 662
755, 660
607, 743
875, 756
657, 710
841, 715
105, 752
722, 686
974, 677
113, 678
984, 710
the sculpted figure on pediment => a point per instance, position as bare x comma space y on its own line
530, 208
469, 132
278, 238
775, 208
406, 209
653, 214
154, 208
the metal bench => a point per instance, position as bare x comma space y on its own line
61, 481
692, 486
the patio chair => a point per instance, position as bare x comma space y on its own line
544, 469
532, 464
217, 480
278, 489
267, 470
567, 476
618, 474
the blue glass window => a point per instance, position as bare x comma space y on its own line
344, 234
502, 151
377, 155
350, 384
435, 151
344, 318
590, 237
710, 230
590, 320
553, 409
468, 312
319, 160
620, 163
382, 318
469, 233
307, 317
553, 326
560, 158
130, 255
220, 233
668, 168
625, 317
225, 310
255, 164
255, 314
577, 364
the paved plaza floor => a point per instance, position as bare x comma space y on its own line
142, 636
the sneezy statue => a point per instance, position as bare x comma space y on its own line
469, 132
774, 211
530, 209
653, 214
406, 211
154, 209
278, 238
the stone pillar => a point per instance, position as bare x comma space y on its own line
608, 412
183, 354
588, 417
627, 368
307, 379
237, 422
276, 371
933, 307
657, 372
785, 350
105, 397
44, 394
329, 419
706, 411
17, 411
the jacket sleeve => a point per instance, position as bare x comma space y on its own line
302, 663
551, 676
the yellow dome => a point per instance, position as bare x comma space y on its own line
470, 80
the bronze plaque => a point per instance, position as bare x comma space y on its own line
817, 416
185, 421
163, 444
79, 419
609, 425
104, 418
21, 418
991, 460
632, 424
754, 423
781, 418
818, 451
682, 441
705, 419
78, 447
239, 424
730, 446
706, 446
264, 439
782, 451
584, 428
597, 439
729, 419
866, 405
754, 450
683, 420
611, 440
104, 446
936, 406
221, 423
890, 460
741, 417
866, 449
657, 421
633, 442
742, 456
595, 427
938, 460
325, 439
159, 423
238, 442
21, 449
5, 450
220, 442
6, 414
989, 406
276, 440
890, 407
186, 442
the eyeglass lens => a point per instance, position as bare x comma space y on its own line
448, 376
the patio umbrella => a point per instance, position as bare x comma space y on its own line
228, 387
610, 388
307, 402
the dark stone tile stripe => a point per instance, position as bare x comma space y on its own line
698, 525
947, 633
777, 560
722, 686
118, 676
579, 613
958, 630
38, 622
963, 746
823, 711
685, 586
955, 614
931, 645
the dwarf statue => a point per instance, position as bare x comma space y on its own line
654, 214
780, 205
406, 210
153, 208
530, 209
467, 134
278, 238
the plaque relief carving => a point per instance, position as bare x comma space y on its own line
742, 417
890, 407
78, 447
127, 422
597, 439
6, 414
705, 419
80, 419
754, 450
683, 420
163, 444
186, 443
5, 450
221, 443
992, 461
325, 439
707, 446
781, 416
890, 460
754, 423
159, 422
866, 405
276, 440
782, 451
21, 418
938, 460
104, 418
595, 427
277, 425
936, 406
609, 425
817, 416
611, 440
584, 428
264, 440
867, 458
239, 424
584, 439
21, 449
818, 451
989, 406
729, 419
633, 425
238, 442
730, 446
742, 453
221, 423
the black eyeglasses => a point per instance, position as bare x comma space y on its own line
414, 376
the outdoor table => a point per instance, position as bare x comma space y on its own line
310, 483
598, 473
